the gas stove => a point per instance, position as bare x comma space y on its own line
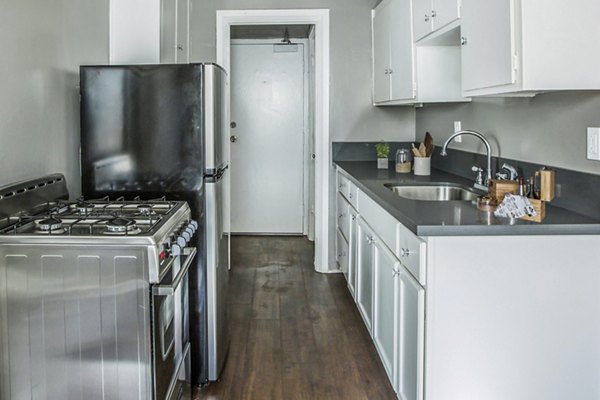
104, 285
99, 217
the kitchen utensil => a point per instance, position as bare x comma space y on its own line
416, 151
428, 141
422, 150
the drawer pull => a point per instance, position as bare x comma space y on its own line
350, 195
405, 252
395, 273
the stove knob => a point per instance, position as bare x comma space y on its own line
194, 224
191, 230
186, 235
181, 241
175, 250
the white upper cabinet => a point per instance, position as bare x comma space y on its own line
174, 31
518, 47
393, 77
431, 15
405, 73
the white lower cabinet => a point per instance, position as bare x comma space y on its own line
351, 277
364, 271
411, 337
385, 317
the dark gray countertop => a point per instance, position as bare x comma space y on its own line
456, 218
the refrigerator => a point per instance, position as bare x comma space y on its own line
161, 130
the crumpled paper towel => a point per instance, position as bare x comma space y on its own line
514, 206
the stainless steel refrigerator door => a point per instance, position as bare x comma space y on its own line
217, 274
216, 118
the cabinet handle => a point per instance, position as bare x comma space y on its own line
353, 217
463, 40
350, 195
395, 273
433, 14
404, 252
370, 239
387, 71
341, 215
341, 185
179, 47
391, 71
426, 18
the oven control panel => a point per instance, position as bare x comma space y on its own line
174, 245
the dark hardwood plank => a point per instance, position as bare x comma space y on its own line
295, 333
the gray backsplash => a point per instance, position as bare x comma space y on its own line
575, 191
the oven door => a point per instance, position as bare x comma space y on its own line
170, 327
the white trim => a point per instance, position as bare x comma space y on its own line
320, 19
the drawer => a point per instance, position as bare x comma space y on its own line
342, 254
343, 216
379, 220
347, 189
411, 251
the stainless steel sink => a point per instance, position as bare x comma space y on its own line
434, 192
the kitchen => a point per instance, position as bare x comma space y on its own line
44, 45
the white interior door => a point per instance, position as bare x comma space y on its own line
267, 105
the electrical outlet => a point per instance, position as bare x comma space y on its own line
458, 127
593, 144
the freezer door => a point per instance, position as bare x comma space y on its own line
216, 122
141, 129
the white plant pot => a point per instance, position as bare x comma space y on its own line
383, 163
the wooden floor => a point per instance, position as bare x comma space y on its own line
296, 334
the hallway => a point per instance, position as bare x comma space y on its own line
295, 333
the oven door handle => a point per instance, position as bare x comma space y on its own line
167, 290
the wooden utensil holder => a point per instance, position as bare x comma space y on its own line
499, 188
540, 209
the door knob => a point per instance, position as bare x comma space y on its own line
233, 124
233, 138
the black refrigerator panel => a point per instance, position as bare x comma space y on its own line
141, 129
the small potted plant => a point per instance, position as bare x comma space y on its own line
383, 152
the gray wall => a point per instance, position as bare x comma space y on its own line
353, 118
548, 129
43, 43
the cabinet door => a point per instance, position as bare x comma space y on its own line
352, 253
364, 284
385, 316
381, 53
168, 31
343, 216
487, 28
183, 31
342, 253
401, 51
411, 331
421, 18
445, 11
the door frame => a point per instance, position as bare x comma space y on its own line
320, 19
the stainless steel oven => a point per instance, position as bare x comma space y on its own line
170, 326
93, 295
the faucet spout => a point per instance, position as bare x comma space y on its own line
488, 149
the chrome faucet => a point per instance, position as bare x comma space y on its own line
479, 184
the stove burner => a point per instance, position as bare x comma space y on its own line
49, 224
145, 209
84, 207
121, 225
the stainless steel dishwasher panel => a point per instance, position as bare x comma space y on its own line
74, 322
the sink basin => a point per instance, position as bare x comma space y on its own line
434, 192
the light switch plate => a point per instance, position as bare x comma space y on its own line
593, 144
